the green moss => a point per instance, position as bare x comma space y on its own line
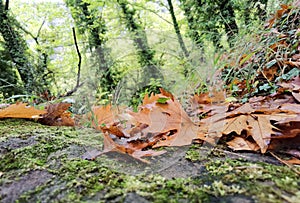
267, 182
105, 179
193, 154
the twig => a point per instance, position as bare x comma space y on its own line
286, 163
78, 84
79, 57
35, 38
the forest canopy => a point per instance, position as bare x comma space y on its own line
119, 50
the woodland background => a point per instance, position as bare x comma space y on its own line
123, 48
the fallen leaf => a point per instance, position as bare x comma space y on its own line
110, 145
21, 110
293, 161
240, 143
296, 95
291, 107
57, 116
101, 116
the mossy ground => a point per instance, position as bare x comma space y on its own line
44, 164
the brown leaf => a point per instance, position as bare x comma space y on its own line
240, 143
293, 161
285, 141
284, 9
21, 110
296, 95
256, 122
291, 107
270, 73
203, 98
166, 93
150, 100
101, 116
164, 118
172, 117
292, 85
292, 63
110, 145
113, 129
57, 116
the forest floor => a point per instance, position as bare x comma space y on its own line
44, 164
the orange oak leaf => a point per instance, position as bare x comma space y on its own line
113, 129
101, 116
259, 127
132, 150
166, 118
21, 110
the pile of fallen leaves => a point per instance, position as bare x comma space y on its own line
269, 123
265, 123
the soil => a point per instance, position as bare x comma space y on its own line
45, 164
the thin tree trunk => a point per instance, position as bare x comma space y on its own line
6, 5
192, 21
177, 30
95, 27
145, 53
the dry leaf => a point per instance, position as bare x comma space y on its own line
240, 143
21, 110
293, 161
57, 116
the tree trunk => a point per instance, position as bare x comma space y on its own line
177, 30
192, 21
96, 43
145, 53
16, 47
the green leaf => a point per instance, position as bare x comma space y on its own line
162, 100
271, 63
246, 58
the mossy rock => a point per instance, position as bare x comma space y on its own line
45, 164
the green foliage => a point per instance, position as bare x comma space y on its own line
261, 58
8, 77
23, 72
152, 87
145, 53
89, 20
125, 43
210, 20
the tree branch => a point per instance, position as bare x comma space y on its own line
79, 57
39, 31
30, 34
78, 84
